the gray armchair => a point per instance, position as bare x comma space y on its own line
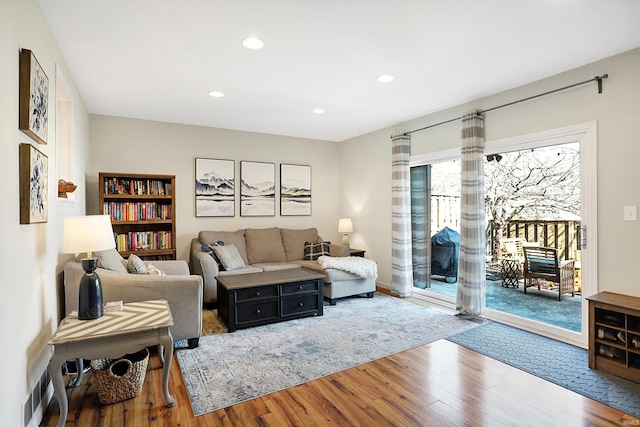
182, 291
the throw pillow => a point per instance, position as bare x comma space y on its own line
135, 265
111, 259
313, 251
229, 257
208, 248
154, 271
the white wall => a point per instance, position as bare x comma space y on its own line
30, 255
140, 146
366, 192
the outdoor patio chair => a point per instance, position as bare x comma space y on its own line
543, 264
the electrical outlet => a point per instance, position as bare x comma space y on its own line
630, 213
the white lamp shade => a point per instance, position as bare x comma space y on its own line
87, 234
345, 225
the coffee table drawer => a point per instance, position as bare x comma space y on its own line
301, 304
256, 312
300, 287
255, 293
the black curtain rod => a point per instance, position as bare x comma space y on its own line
595, 79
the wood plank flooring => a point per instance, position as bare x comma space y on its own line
437, 384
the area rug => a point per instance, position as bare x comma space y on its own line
229, 368
557, 362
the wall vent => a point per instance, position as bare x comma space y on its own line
36, 404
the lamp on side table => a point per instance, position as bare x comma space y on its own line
88, 234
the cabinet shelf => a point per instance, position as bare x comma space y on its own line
142, 211
613, 323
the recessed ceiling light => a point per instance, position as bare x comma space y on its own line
216, 94
252, 43
385, 78
318, 111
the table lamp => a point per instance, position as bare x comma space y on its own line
88, 234
345, 226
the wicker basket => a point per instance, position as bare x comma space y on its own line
120, 379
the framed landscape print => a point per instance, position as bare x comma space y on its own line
34, 175
295, 190
215, 188
34, 98
257, 189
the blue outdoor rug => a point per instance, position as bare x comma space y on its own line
569, 368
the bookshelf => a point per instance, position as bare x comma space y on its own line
142, 211
614, 334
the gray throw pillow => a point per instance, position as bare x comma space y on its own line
229, 257
111, 259
135, 265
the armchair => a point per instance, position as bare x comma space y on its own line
542, 263
182, 291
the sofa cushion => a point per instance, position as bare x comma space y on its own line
228, 237
294, 240
313, 251
229, 256
264, 245
244, 270
276, 266
135, 265
111, 259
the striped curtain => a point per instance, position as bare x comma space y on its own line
401, 269
472, 269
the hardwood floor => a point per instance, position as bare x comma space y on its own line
437, 384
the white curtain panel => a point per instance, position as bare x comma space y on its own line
401, 268
472, 269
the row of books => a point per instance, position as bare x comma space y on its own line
141, 211
141, 187
143, 241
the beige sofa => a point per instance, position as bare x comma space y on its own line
270, 249
182, 291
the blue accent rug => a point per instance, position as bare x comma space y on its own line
557, 362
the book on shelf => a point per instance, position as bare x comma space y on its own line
140, 187
137, 211
143, 241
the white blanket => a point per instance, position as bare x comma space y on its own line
360, 266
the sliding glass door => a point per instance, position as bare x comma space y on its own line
534, 194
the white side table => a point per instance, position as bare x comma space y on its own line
138, 325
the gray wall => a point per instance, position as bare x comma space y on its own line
140, 146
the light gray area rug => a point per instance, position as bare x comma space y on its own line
230, 368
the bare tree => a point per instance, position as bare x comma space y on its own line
531, 184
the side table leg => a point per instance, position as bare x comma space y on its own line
55, 370
166, 341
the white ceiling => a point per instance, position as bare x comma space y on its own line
158, 59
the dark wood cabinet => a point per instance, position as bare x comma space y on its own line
254, 299
614, 334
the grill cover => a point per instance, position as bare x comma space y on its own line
445, 251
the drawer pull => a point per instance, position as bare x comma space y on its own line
299, 288
258, 294
258, 311
300, 304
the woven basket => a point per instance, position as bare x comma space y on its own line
120, 379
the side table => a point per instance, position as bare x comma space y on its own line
510, 272
357, 252
138, 325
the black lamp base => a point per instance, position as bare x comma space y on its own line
90, 304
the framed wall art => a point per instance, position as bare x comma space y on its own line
257, 189
295, 190
34, 98
215, 188
34, 176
